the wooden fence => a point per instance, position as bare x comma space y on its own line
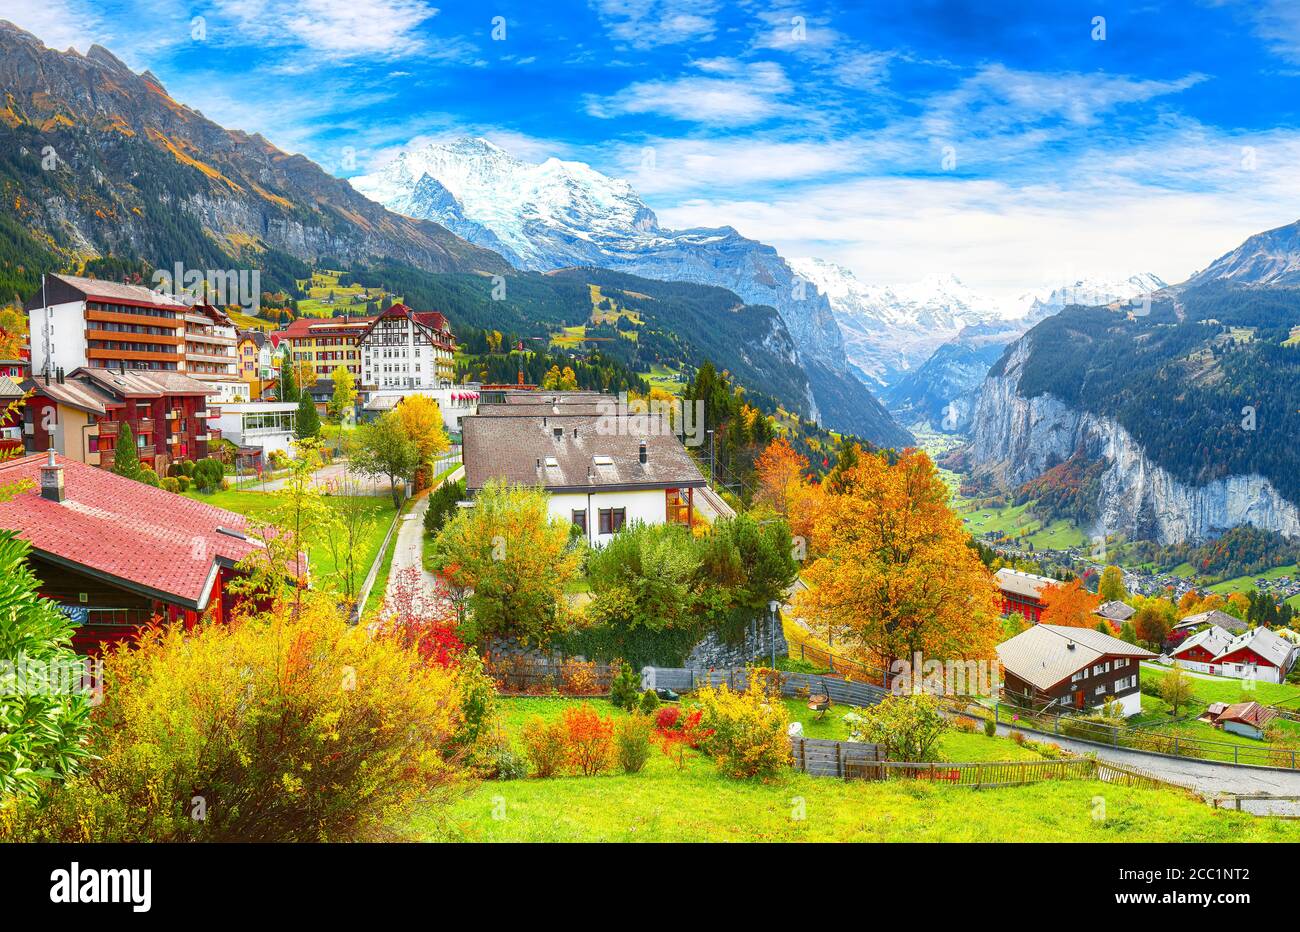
842, 692
820, 758
1147, 741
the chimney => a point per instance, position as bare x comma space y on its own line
644, 456
52, 479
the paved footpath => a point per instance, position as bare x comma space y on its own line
408, 548
1205, 777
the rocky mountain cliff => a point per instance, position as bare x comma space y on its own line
1017, 438
559, 214
96, 159
1189, 405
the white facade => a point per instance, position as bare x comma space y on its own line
228, 391
397, 353
59, 333
265, 424
455, 402
1131, 704
646, 506
1239, 671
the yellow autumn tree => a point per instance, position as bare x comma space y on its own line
896, 575
422, 418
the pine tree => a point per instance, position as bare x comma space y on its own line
308, 421
126, 459
288, 386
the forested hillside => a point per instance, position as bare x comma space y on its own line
1208, 383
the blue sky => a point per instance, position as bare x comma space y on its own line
1009, 143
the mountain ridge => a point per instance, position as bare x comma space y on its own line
557, 214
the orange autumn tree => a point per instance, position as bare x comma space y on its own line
895, 574
1069, 604
780, 469
784, 487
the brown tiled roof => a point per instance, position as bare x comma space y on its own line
81, 394
1046, 654
146, 382
100, 288
605, 454
1115, 611
1213, 617
1248, 713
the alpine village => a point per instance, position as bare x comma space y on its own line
338, 506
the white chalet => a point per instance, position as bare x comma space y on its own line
600, 474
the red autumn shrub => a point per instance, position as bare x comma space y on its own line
419, 620
589, 738
667, 718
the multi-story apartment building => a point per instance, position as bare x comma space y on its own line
75, 322
407, 349
78, 322
210, 355
80, 415
319, 346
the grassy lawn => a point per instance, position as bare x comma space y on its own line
1246, 583
1015, 520
1224, 689
260, 505
663, 804
697, 804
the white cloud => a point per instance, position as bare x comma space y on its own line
648, 23
335, 29
60, 24
1277, 22
1169, 207
730, 93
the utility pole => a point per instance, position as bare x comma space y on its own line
711, 454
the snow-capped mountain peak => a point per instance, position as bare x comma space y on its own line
507, 201
557, 214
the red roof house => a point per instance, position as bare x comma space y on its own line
116, 553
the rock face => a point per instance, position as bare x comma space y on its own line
1015, 439
139, 173
558, 214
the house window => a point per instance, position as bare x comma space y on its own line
1078, 676
579, 517
612, 520
1100, 691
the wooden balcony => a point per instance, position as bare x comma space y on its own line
108, 428
144, 425
120, 336
147, 320
132, 355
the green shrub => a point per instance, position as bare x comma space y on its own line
442, 505
148, 476
625, 689
906, 727
42, 731
632, 741
475, 733
990, 728
649, 702
507, 765
183, 482
171, 484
